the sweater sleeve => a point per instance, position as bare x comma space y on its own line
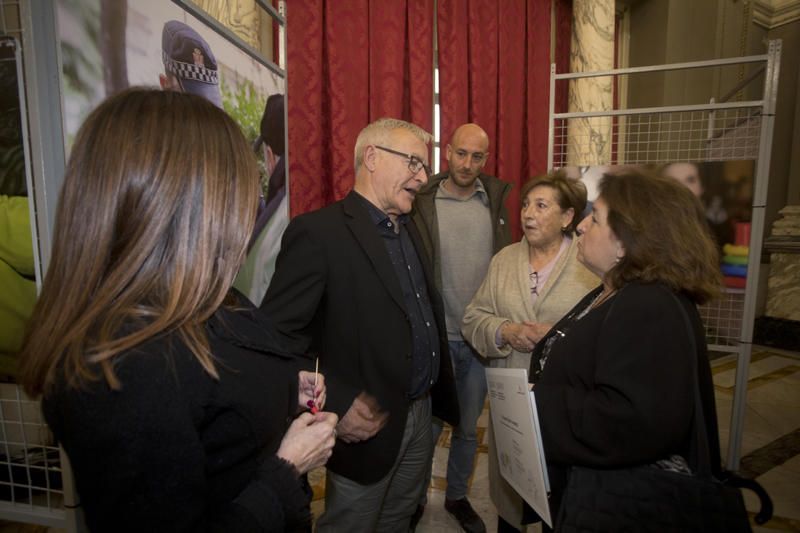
140, 464
629, 398
276, 501
482, 318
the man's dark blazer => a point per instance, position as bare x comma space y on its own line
335, 295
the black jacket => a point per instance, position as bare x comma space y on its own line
617, 388
335, 294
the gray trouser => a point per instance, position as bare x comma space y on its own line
385, 506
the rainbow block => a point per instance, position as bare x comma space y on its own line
735, 260
738, 271
734, 282
733, 249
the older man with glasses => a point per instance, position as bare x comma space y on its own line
354, 287
463, 219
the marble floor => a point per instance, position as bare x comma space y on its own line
770, 448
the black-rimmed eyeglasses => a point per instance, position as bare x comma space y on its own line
415, 164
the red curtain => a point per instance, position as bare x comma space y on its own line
494, 70
276, 36
349, 63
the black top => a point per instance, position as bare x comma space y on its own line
176, 450
617, 387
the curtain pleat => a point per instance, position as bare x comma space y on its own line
514, 114
308, 153
420, 63
346, 91
454, 68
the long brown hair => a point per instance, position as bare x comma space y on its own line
662, 226
158, 202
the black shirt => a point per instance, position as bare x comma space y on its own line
407, 266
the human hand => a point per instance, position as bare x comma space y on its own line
522, 337
311, 388
363, 420
537, 330
309, 441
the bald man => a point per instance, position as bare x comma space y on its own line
463, 221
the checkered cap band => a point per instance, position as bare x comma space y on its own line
189, 71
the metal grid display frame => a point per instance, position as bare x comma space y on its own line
716, 131
35, 486
35, 480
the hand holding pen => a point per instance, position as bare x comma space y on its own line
311, 390
309, 441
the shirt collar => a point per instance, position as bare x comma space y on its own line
377, 216
479, 190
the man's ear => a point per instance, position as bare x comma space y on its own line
269, 158
370, 158
163, 81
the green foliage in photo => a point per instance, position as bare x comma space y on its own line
246, 105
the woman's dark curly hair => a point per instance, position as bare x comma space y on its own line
663, 228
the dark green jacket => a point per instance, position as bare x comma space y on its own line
424, 215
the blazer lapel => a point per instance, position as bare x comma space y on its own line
358, 220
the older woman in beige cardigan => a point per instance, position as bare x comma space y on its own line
530, 285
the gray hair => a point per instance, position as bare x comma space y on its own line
378, 133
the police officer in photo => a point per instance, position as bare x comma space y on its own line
189, 64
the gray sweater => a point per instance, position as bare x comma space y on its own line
457, 234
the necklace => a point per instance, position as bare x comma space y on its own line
534, 282
602, 297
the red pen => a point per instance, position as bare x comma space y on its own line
312, 405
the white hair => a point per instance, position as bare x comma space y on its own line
378, 133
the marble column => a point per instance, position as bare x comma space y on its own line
591, 50
783, 285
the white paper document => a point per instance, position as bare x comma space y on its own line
518, 440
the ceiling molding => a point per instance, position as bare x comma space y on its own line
773, 13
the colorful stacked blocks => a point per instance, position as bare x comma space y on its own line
734, 265
734, 260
